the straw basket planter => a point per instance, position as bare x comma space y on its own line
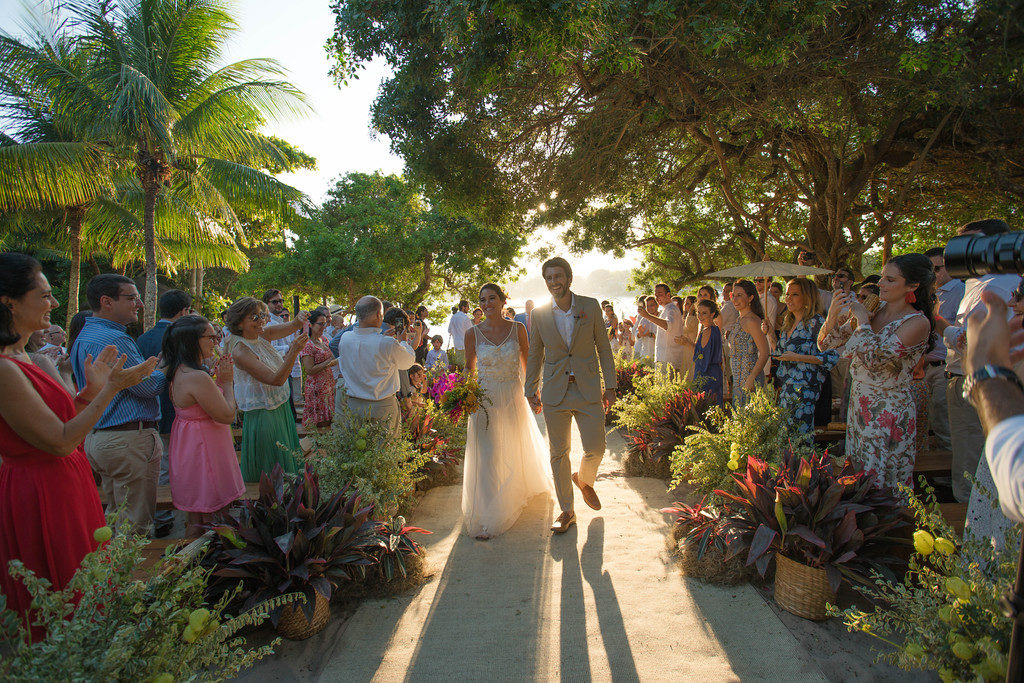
293, 624
801, 590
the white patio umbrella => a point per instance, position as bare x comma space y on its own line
767, 268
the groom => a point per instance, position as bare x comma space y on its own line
568, 338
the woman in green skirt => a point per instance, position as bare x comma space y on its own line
261, 386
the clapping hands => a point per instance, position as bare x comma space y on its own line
108, 371
224, 370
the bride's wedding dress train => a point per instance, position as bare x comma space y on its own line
507, 461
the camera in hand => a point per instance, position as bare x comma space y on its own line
975, 255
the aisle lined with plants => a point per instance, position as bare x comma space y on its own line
769, 505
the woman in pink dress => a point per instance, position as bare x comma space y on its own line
317, 361
49, 507
204, 471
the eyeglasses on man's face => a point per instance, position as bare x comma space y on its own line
277, 301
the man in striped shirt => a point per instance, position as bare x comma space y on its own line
124, 447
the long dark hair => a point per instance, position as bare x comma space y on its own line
755, 300
917, 268
17, 278
181, 344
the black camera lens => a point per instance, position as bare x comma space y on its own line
975, 255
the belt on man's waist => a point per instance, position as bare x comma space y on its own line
936, 363
572, 378
133, 426
952, 375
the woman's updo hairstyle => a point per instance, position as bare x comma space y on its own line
496, 289
17, 278
918, 269
242, 309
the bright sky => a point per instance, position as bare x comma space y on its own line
337, 129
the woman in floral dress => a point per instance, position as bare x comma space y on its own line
881, 426
748, 343
802, 367
317, 361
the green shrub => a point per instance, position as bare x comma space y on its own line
762, 429
651, 392
945, 614
383, 469
124, 628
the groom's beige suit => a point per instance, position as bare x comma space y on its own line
574, 351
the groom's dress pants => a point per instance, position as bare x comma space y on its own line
590, 420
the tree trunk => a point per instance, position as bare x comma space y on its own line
75, 217
151, 187
886, 247
200, 278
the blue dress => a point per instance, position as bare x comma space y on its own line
800, 383
707, 364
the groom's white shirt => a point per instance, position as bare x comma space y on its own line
457, 328
564, 319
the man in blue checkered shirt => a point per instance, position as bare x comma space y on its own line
124, 447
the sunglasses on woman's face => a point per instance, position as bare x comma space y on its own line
256, 317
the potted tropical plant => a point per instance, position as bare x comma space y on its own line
819, 522
290, 541
702, 535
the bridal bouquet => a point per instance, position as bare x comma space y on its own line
459, 395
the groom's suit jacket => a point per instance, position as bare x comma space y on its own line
587, 349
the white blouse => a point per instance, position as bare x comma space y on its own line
250, 393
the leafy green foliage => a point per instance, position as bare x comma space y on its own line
106, 624
836, 519
290, 541
945, 614
761, 429
391, 545
432, 432
379, 233
802, 122
362, 451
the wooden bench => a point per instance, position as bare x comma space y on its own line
936, 461
163, 495
955, 515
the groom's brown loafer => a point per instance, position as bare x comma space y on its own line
589, 494
564, 521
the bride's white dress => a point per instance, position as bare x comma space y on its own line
507, 460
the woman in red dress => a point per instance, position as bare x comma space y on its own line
317, 361
49, 507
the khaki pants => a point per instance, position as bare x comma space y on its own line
966, 436
128, 464
590, 421
938, 412
384, 410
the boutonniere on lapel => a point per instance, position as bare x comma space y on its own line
579, 317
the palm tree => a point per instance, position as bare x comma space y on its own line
49, 164
189, 129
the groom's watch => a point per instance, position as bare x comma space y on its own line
986, 373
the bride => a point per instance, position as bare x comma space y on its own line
507, 460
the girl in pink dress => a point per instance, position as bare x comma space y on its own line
204, 471
317, 361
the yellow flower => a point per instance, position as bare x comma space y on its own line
924, 542
734, 465
944, 546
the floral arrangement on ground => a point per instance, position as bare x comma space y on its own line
945, 614
721, 444
364, 453
109, 624
657, 416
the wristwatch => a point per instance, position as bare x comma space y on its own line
986, 373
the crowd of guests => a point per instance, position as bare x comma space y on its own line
94, 404
887, 349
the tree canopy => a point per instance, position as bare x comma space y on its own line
378, 234
797, 123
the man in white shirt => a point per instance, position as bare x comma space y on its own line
965, 431
950, 293
666, 351
457, 328
371, 360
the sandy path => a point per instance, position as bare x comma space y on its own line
603, 602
